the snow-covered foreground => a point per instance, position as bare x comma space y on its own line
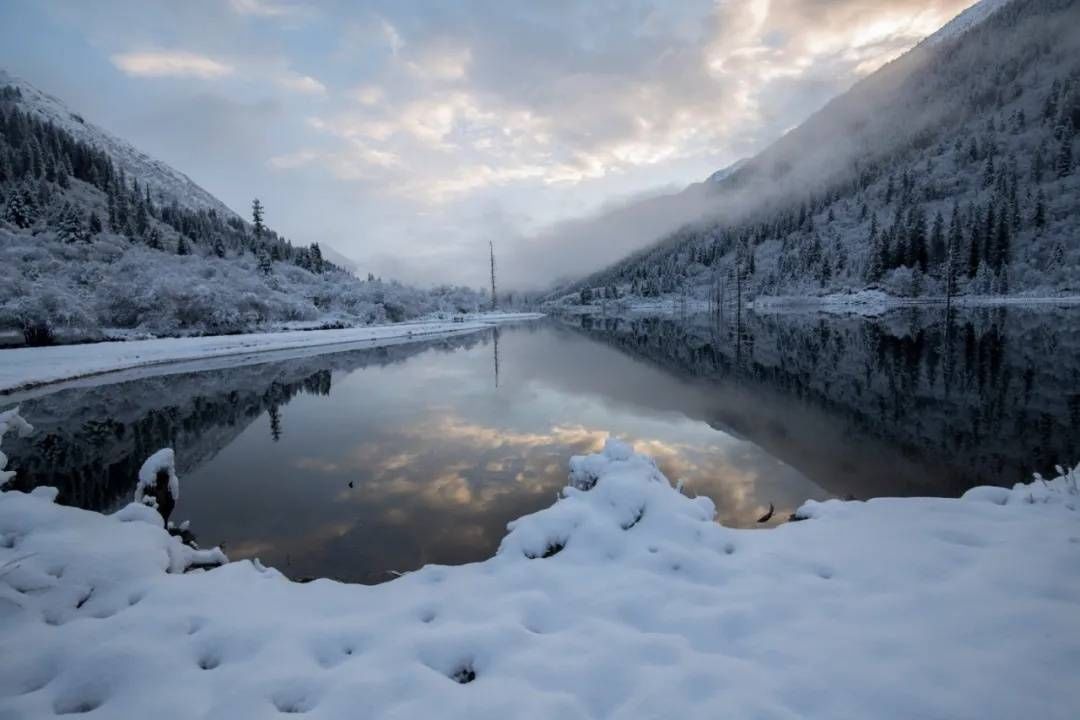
623, 599
24, 368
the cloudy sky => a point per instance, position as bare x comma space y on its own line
409, 134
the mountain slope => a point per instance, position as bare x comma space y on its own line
164, 182
99, 240
966, 20
909, 173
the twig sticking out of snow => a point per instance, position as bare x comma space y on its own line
768, 515
11, 420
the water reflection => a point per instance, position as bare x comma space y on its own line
903, 404
359, 464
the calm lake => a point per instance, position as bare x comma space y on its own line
360, 464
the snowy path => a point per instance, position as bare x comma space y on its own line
25, 368
624, 600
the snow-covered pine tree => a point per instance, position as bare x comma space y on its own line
153, 238
1064, 163
69, 227
257, 218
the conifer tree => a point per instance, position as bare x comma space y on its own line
17, 211
1064, 158
1038, 218
937, 241
266, 266
257, 218
70, 226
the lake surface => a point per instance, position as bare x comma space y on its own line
360, 464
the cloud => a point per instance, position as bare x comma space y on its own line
367, 94
171, 64
296, 159
452, 114
441, 64
304, 84
267, 9
392, 36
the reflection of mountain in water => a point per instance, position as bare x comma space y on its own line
987, 399
90, 442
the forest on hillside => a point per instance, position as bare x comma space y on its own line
87, 252
952, 170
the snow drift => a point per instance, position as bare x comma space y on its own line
623, 599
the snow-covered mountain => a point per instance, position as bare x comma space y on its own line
98, 239
965, 21
724, 173
950, 169
164, 181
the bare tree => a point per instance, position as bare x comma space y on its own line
491, 247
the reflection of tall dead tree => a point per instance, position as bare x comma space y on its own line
491, 247
495, 331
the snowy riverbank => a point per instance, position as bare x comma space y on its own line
24, 368
623, 599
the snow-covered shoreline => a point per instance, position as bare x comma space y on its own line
27, 368
623, 599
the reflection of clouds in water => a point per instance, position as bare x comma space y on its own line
450, 426
308, 542
439, 474
740, 479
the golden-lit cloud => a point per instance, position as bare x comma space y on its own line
727, 88
174, 63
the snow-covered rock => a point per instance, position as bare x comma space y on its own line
11, 420
161, 461
624, 600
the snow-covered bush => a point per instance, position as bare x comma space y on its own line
49, 287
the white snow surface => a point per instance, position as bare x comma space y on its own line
11, 420
24, 368
892, 608
163, 459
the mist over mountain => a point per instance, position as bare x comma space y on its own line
952, 168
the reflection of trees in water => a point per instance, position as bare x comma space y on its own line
90, 442
991, 396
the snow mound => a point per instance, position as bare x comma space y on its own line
11, 420
163, 461
624, 599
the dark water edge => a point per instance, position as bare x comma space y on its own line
358, 464
925, 405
